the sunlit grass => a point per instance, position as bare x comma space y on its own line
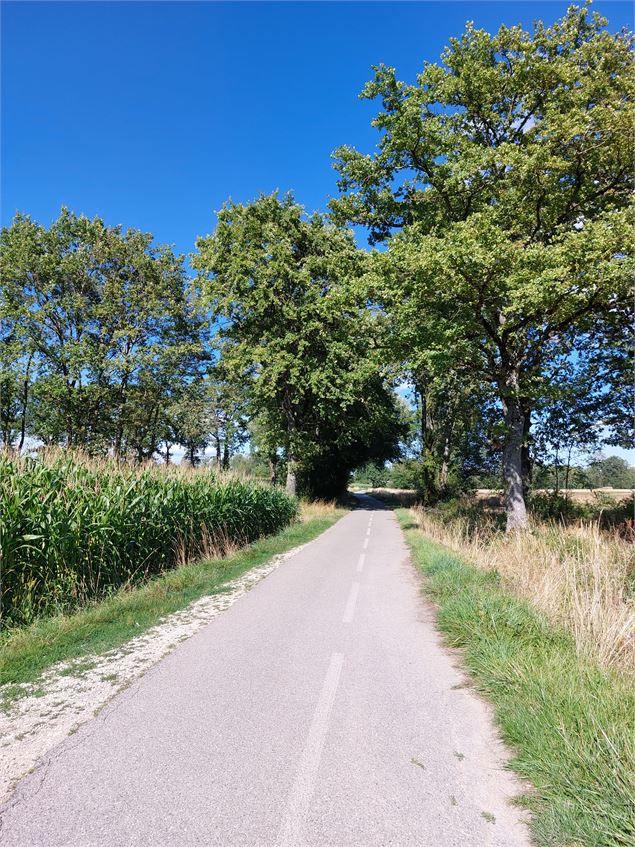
580, 578
568, 720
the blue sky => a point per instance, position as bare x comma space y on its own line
151, 114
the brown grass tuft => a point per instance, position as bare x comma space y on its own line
312, 509
581, 578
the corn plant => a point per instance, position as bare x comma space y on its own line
72, 531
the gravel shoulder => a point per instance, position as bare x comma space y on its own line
70, 693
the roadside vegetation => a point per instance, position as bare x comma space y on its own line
581, 578
486, 344
545, 625
25, 652
500, 192
74, 530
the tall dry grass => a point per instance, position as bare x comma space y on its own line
311, 510
579, 577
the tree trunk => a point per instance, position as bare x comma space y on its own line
566, 474
513, 459
291, 475
273, 468
445, 462
421, 385
445, 466
527, 467
291, 485
225, 455
25, 400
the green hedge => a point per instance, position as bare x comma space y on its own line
71, 531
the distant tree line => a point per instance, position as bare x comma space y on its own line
603, 472
107, 345
501, 191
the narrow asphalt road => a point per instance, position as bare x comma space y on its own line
319, 710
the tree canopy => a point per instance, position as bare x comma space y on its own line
498, 202
284, 291
503, 181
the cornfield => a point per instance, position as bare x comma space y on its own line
73, 530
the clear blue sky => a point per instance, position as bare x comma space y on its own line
151, 114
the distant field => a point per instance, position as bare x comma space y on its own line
579, 495
494, 496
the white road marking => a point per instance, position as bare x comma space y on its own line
302, 790
360, 564
349, 612
366, 543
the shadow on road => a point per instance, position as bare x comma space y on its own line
371, 504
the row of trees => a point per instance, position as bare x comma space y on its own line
104, 345
500, 190
600, 472
108, 346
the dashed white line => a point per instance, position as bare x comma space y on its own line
349, 612
360, 563
366, 543
293, 823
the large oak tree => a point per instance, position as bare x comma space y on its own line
502, 181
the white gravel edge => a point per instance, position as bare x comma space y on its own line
60, 700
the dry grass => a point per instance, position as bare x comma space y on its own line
405, 497
212, 547
580, 578
311, 510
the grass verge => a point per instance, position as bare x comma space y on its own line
569, 722
26, 653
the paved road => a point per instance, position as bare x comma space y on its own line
319, 710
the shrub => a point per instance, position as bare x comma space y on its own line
609, 513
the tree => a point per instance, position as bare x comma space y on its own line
506, 173
371, 474
101, 327
293, 327
610, 472
369, 429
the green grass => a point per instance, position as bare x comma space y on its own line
25, 653
569, 723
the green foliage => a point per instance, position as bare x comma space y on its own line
610, 514
568, 722
371, 474
418, 475
285, 291
610, 472
71, 531
508, 170
101, 334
